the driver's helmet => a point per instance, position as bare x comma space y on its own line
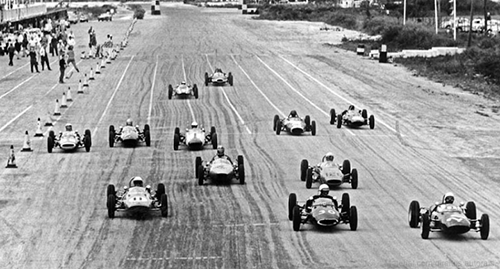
323, 190
351, 107
448, 198
137, 182
68, 127
220, 151
194, 125
129, 122
218, 70
329, 157
183, 83
293, 113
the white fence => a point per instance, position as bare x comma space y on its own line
23, 12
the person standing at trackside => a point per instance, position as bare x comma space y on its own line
12, 51
71, 58
53, 45
62, 67
44, 58
33, 60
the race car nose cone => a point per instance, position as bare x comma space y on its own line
297, 130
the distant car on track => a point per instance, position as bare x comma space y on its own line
218, 77
69, 140
352, 117
129, 135
448, 218
220, 170
183, 90
136, 200
328, 172
105, 17
322, 212
195, 137
294, 124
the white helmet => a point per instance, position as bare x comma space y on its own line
68, 127
323, 189
129, 122
137, 182
194, 124
183, 83
329, 157
448, 198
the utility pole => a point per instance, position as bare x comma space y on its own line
470, 23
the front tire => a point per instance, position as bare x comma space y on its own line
485, 226
170, 91
275, 121
332, 116
176, 142
50, 144
292, 202
206, 79
414, 214
353, 218
313, 128
201, 175
111, 205
354, 178
111, 190
470, 210
339, 121
309, 178
214, 140
304, 165
241, 169
307, 121
164, 205
112, 134
278, 127
346, 203
346, 167
426, 226
195, 91
372, 122
87, 140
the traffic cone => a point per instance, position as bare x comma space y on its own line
83, 56
103, 63
49, 122
68, 95
38, 131
85, 81
64, 102
91, 75
98, 68
11, 162
27, 143
80, 89
56, 109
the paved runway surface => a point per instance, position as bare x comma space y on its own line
429, 139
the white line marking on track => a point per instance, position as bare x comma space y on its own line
185, 79
18, 85
174, 258
112, 96
15, 118
191, 110
296, 91
332, 91
229, 101
152, 91
258, 89
15, 70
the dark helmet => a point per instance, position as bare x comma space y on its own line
68, 127
293, 113
194, 125
329, 157
220, 151
351, 107
137, 182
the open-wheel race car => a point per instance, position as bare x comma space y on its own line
195, 137
328, 172
220, 170
218, 77
352, 117
448, 218
183, 90
129, 135
322, 211
137, 200
294, 124
69, 140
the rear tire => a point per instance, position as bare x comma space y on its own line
364, 114
354, 178
197, 165
292, 202
485, 226
201, 175
214, 140
87, 140
147, 135
470, 210
275, 121
332, 116
296, 218
206, 79
346, 167
307, 121
230, 78
372, 122
339, 121
195, 91
414, 214
304, 165
50, 144
278, 127
164, 205
346, 203
112, 134
353, 218
177, 131
170, 91
160, 190
313, 128
176, 142
426, 223
111, 190
241, 169
111, 205
309, 178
